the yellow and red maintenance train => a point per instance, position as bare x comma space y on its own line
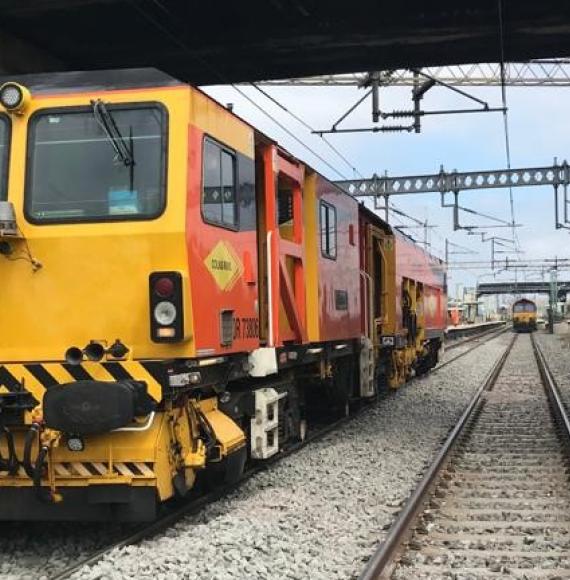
179, 295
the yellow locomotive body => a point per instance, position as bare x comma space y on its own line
524, 315
68, 283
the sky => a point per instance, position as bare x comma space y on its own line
538, 133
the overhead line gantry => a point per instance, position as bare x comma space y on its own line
453, 182
534, 73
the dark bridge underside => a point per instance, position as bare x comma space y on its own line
206, 42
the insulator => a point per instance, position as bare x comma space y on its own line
394, 128
402, 114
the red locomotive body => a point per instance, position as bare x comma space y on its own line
338, 269
414, 263
222, 241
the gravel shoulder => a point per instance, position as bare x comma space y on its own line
320, 513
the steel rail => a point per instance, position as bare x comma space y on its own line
380, 564
195, 505
552, 391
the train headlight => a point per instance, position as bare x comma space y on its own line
75, 443
165, 313
14, 97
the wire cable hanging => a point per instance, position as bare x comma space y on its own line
506, 117
179, 42
392, 208
286, 130
307, 126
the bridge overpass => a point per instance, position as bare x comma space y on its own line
220, 42
521, 288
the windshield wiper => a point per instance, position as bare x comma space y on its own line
124, 151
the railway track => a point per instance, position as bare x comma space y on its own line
139, 533
457, 342
496, 500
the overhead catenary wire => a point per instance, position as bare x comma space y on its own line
288, 131
392, 207
182, 44
506, 117
223, 80
309, 127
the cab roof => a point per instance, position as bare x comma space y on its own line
99, 80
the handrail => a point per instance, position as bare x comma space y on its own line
144, 427
368, 302
269, 291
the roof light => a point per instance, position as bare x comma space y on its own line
14, 97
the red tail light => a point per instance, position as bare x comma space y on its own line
164, 287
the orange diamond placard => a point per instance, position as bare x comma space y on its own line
224, 265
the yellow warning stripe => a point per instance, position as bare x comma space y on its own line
56, 371
137, 371
98, 372
17, 376
26, 378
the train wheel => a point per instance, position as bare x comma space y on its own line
225, 472
397, 370
303, 430
343, 385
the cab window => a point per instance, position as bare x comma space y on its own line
524, 307
328, 230
104, 163
4, 150
219, 203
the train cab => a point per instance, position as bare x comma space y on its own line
524, 315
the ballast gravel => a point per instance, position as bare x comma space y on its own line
556, 350
320, 513
36, 551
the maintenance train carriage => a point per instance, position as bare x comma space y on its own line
179, 295
404, 315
